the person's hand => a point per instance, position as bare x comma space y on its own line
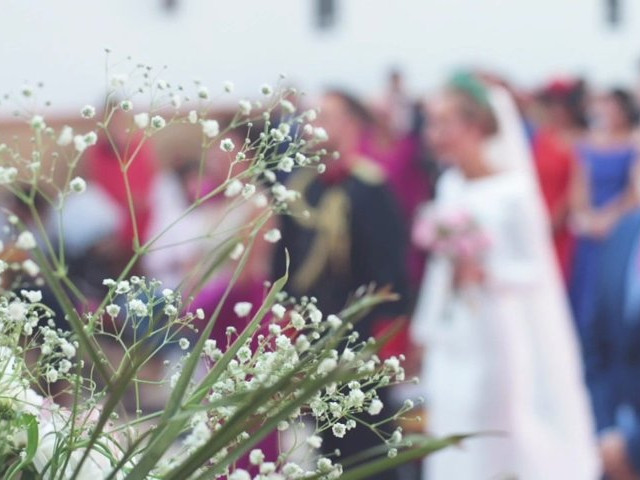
601, 225
468, 272
615, 461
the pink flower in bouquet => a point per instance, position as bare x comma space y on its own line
424, 233
452, 233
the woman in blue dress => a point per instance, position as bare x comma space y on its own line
604, 189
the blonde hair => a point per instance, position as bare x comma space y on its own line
474, 111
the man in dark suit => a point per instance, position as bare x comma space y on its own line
612, 352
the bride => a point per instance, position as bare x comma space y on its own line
500, 353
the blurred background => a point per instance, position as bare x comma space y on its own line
571, 73
317, 42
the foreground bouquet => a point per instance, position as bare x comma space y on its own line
75, 371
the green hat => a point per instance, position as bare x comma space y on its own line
469, 84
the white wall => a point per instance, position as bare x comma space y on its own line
251, 41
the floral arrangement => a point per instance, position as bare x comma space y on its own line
63, 396
452, 233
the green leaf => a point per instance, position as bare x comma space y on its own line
426, 447
31, 425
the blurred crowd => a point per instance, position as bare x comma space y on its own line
584, 146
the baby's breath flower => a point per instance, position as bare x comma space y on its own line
322, 168
237, 252
334, 321
119, 80
184, 343
78, 185
277, 134
34, 296
26, 241
126, 105
210, 349
314, 441
339, 430
266, 89
297, 321
285, 128
278, 310
315, 315
66, 136
80, 143
170, 310
261, 201
245, 107
348, 355
30, 267
203, 92
8, 175
248, 190
52, 375
91, 138
138, 307
210, 128
242, 309
274, 329
200, 314
356, 397
286, 164
327, 365
311, 115
192, 116
287, 106
324, 465
256, 457
37, 122
227, 145
167, 293
88, 111
292, 470
240, 474
301, 159
302, 343
141, 120
273, 235
64, 366
122, 286
320, 134
234, 188
228, 86
113, 310
17, 311
68, 350
158, 123
244, 354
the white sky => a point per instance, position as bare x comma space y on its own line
251, 41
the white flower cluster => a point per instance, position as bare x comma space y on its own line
291, 353
291, 346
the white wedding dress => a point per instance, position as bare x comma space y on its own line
501, 358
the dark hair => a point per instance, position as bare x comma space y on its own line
355, 107
571, 96
626, 103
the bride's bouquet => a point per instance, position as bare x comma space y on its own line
450, 232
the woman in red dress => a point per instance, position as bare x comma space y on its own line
563, 123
